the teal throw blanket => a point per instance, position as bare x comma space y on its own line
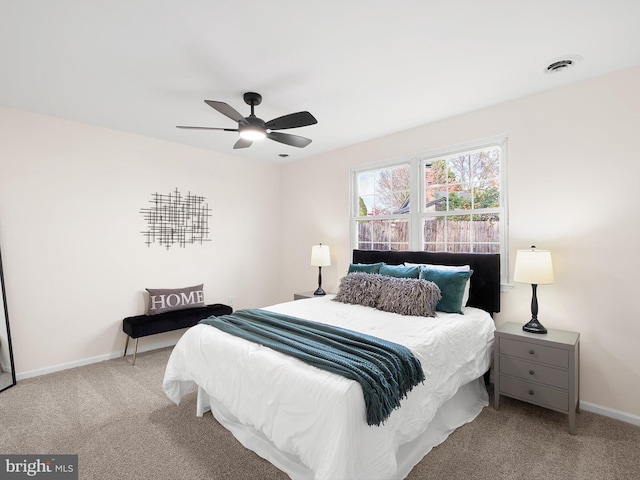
385, 370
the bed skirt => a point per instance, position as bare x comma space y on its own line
462, 408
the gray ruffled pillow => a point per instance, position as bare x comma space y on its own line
360, 288
405, 296
409, 296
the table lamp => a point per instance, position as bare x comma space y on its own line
320, 257
534, 267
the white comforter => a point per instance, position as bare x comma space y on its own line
318, 417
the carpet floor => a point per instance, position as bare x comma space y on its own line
122, 426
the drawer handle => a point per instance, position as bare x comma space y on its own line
531, 372
531, 352
530, 392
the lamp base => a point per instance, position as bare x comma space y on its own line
319, 291
534, 326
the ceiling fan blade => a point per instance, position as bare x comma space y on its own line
293, 120
288, 139
227, 110
207, 128
242, 143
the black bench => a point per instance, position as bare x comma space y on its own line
143, 325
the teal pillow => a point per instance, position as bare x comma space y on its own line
451, 286
399, 271
365, 267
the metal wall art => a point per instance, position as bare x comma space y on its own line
174, 219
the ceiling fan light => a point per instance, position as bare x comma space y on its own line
252, 132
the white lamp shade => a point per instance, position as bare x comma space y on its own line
533, 266
320, 256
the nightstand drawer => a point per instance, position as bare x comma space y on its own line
531, 351
534, 393
534, 372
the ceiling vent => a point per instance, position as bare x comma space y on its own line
563, 64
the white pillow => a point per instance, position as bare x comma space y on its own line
453, 268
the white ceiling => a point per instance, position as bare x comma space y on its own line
363, 68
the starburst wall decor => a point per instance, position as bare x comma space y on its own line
174, 219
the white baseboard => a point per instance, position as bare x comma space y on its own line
611, 413
142, 347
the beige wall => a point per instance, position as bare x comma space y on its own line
573, 172
76, 263
75, 260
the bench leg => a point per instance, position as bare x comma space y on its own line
135, 351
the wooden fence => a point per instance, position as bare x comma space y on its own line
452, 235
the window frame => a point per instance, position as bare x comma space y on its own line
417, 189
355, 203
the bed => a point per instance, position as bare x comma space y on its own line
310, 423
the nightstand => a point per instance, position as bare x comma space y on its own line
303, 295
542, 369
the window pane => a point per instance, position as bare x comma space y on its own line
459, 229
365, 193
460, 196
486, 174
487, 195
468, 180
384, 192
383, 234
486, 228
436, 186
365, 183
364, 234
434, 231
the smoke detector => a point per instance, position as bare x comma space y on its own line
563, 64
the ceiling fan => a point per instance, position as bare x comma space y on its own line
252, 128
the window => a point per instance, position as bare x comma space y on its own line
461, 211
382, 219
448, 200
